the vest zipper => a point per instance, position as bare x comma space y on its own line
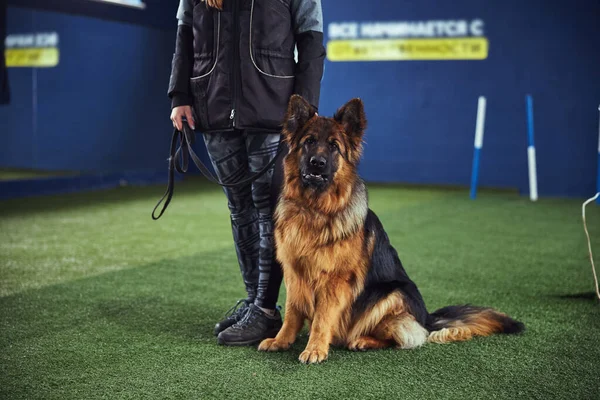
234, 64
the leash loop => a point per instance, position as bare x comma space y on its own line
179, 161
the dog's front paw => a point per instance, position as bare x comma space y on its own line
272, 345
312, 356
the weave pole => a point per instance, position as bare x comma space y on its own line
479, 127
598, 177
533, 189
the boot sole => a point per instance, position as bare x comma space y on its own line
224, 342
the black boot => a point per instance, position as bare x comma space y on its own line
255, 326
235, 314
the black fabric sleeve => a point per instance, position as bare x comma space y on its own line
181, 67
309, 69
307, 18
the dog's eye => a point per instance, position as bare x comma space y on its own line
310, 140
333, 146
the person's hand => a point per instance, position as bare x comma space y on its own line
178, 113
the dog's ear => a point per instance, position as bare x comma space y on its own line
352, 118
298, 113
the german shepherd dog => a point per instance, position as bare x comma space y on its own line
341, 273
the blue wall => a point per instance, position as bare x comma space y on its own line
104, 107
422, 113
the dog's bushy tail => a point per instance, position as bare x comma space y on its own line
459, 323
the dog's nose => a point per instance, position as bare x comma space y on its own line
318, 161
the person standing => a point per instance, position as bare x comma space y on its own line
233, 72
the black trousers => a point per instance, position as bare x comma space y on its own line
236, 156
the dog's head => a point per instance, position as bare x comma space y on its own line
324, 152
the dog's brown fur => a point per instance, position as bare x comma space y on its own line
326, 253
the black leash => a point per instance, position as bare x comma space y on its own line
179, 160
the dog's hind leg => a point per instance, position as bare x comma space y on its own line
369, 343
402, 331
389, 323
406, 332
371, 322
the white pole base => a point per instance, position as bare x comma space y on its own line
533, 190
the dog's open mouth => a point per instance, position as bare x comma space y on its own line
315, 178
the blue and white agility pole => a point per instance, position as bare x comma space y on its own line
597, 198
533, 190
598, 178
587, 235
478, 144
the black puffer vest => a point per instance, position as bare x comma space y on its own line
243, 68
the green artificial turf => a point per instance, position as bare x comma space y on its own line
99, 301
